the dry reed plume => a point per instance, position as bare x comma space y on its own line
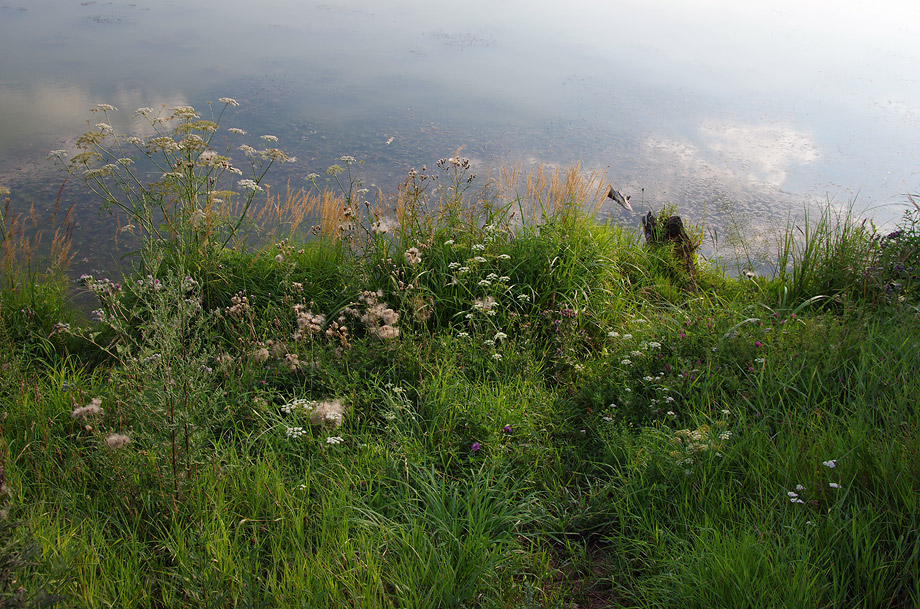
22, 237
547, 192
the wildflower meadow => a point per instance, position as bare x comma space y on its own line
469, 392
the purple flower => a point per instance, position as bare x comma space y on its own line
476, 446
506, 429
758, 344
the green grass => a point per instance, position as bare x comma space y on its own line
563, 419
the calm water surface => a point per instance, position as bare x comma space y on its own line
734, 112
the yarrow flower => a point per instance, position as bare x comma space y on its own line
229, 101
250, 185
830, 464
334, 440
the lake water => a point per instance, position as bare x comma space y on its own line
734, 111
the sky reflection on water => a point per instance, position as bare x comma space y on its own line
712, 105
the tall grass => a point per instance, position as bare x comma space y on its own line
463, 397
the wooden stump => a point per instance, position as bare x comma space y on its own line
671, 230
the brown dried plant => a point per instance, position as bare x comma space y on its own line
549, 191
23, 256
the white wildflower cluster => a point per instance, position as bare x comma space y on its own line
308, 323
249, 185
100, 172
321, 412
239, 305
208, 157
413, 256
94, 408
192, 142
485, 305
334, 440
149, 283
116, 441
378, 318
184, 112
163, 143
197, 218
101, 287
151, 359
189, 285
294, 432
800, 488
383, 226
689, 443
454, 161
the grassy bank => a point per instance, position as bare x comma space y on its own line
458, 398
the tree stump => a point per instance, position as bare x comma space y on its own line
671, 230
